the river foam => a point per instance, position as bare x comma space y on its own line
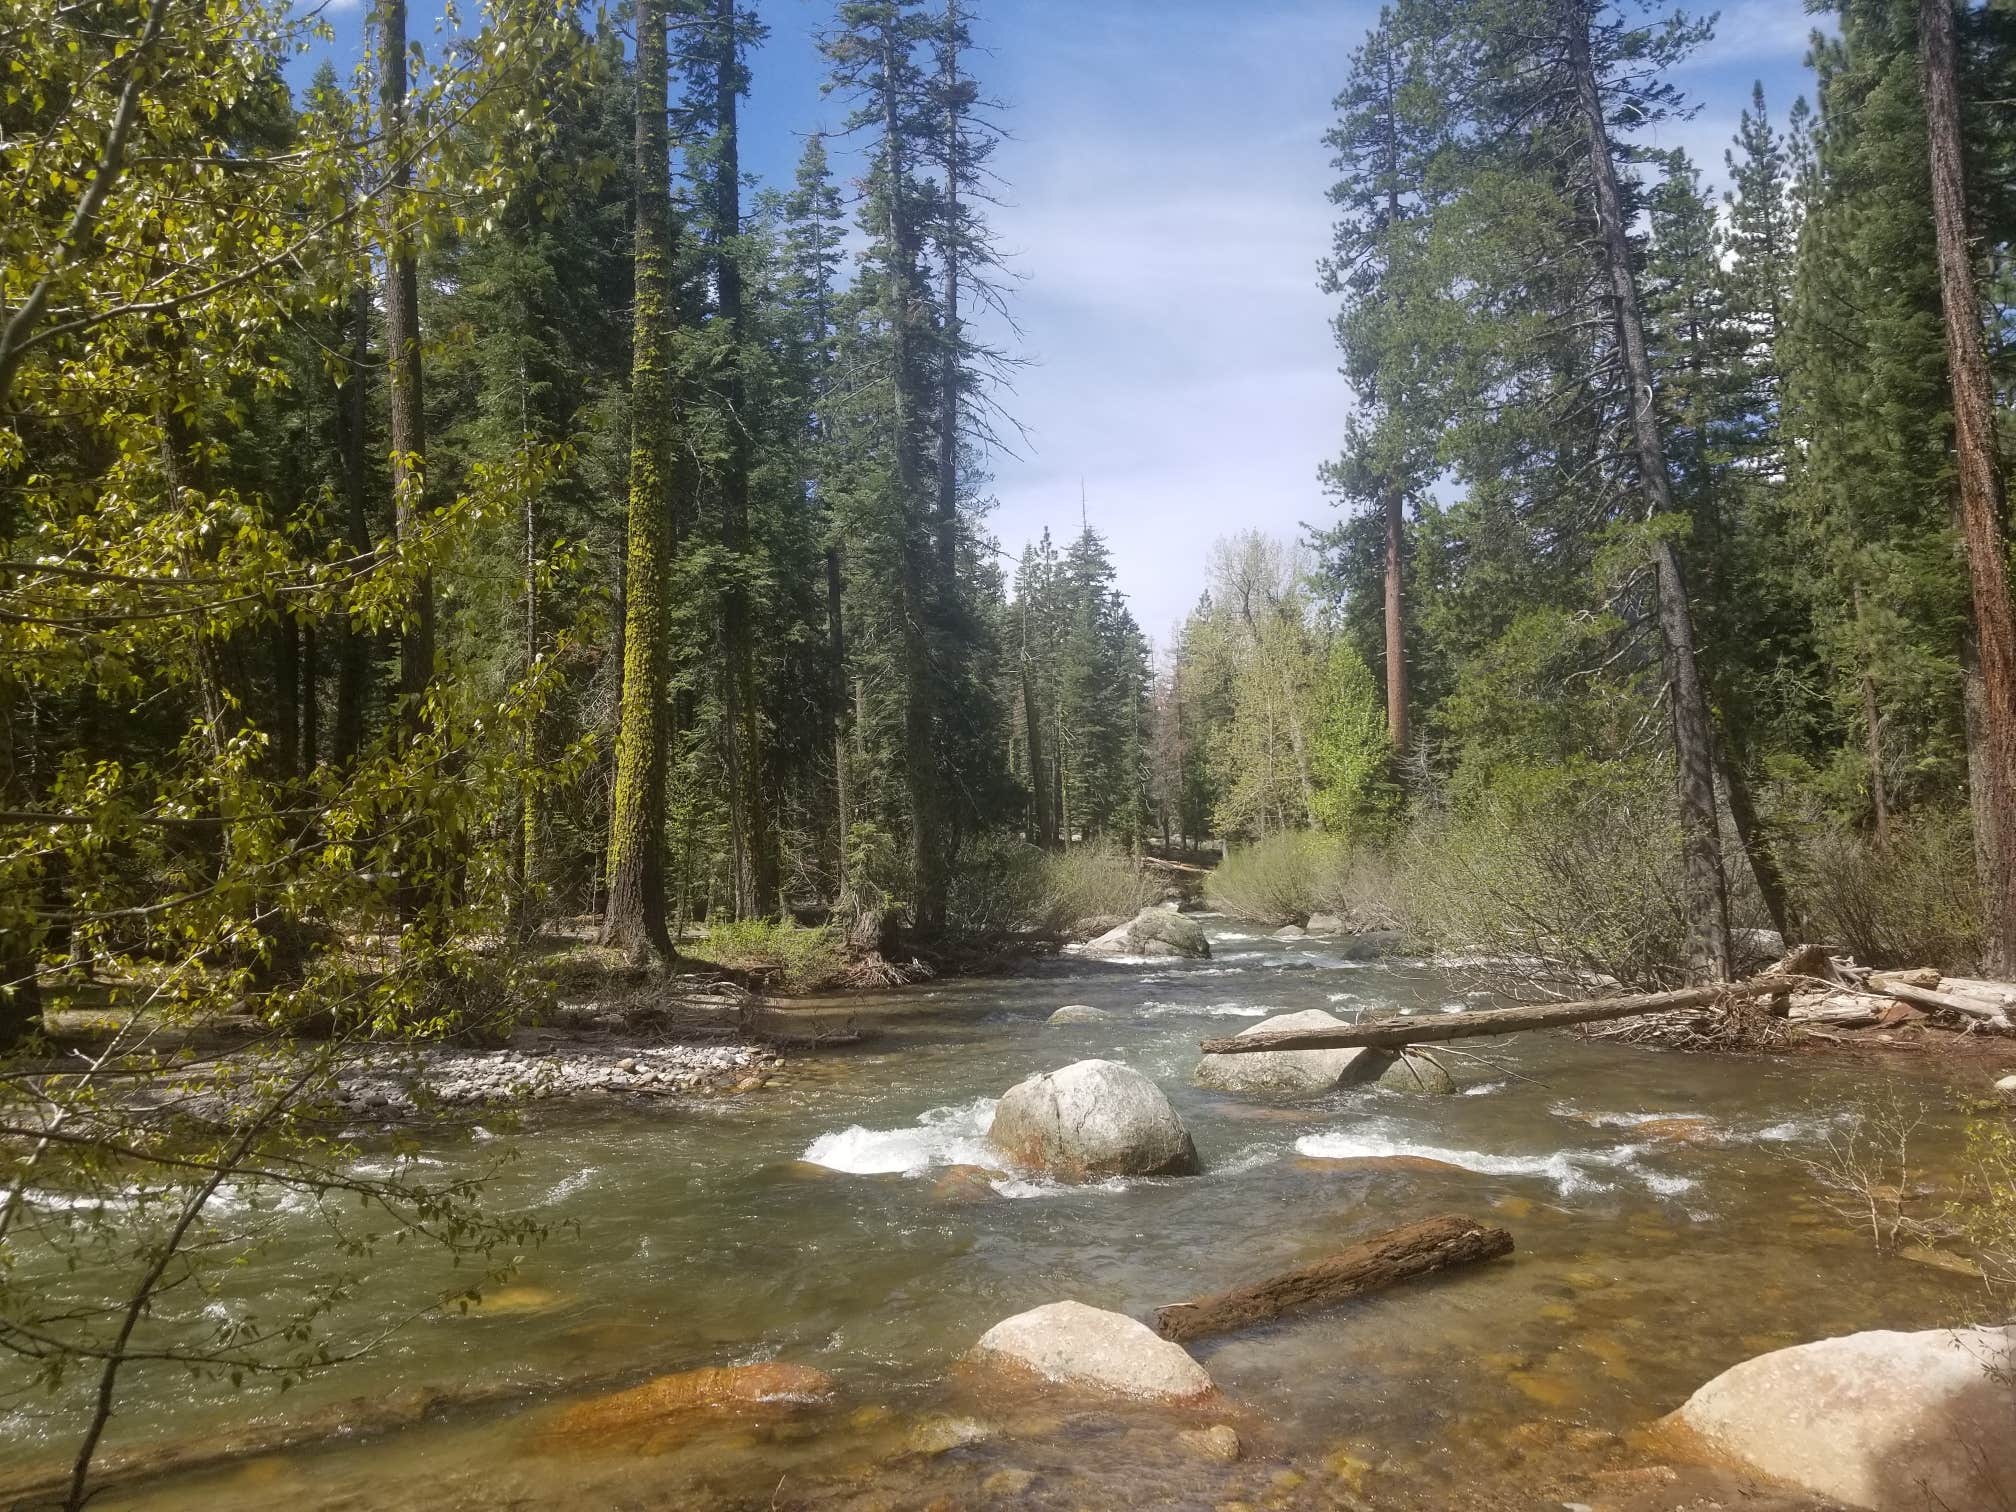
1570, 1171
941, 1137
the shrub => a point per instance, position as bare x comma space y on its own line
804, 959
1914, 902
1574, 868
1004, 885
1285, 878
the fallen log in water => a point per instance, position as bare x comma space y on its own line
1399, 1255
1397, 1033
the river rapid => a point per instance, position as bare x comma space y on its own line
833, 1220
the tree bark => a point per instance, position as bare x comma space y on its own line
946, 523
920, 757
1039, 786
353, 664
635, 922
755, 846
1398, 1033
1982, 497
843, 799
1415, 1249
1707, 895
1758, 848
402, 352
1872, 734
1396, 624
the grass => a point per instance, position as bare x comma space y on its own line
800, 959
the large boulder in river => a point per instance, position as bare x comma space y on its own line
1417, 1071
1153, 932
1886, 1421
1088, 1349
1091, 1120
1325, 924
1302, 1071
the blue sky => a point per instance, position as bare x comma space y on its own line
1164, 213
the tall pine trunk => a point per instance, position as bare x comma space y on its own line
1707, 896
946, 523
843, 798
920, 757
353, 659
754, 843
1982, 498
635, 922
407, 412
402, 352
1396, 624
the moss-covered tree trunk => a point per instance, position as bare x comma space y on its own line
635, 922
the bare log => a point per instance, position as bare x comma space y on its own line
1924, 997
1397, 1033
1998, 994
1401, 1254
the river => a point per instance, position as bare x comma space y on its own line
821, 1222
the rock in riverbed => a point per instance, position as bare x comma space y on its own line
1324, 924
1091, 1120
1417, 1071
1153, 932
1290, 932
654, 1406
1301, 1071
1088, 1349
1892, 1422
1078, 1013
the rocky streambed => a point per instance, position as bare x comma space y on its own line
851, 1216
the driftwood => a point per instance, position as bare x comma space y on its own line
1397, 1033
1399, 1255
1924, 997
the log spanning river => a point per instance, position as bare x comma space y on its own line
1666, 1225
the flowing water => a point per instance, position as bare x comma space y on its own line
835, 1220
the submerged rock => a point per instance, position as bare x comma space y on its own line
1078, 1013
1303, 1071
1881, 1420
1088, 1349
1153, 932
941, 1435
1219, 1442
1417, 1071
1091, 1120
646, 1408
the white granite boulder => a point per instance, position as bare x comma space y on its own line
1891, 1422
1091, 1120
1300, 1071
1087, 1349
